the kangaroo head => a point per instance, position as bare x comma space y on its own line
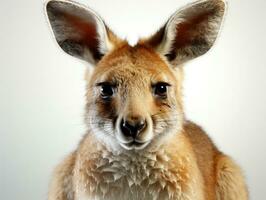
134, 93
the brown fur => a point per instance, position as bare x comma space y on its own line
179, 162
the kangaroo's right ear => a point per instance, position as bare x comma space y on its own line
79, 31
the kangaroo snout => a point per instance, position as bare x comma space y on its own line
134, 131
133, 126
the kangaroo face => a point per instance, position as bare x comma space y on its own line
134, 93
133, 96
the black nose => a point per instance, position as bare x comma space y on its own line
133, 127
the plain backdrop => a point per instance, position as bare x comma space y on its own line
42, 89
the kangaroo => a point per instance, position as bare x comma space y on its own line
138, 144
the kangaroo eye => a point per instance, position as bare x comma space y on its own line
107, 91
160, 89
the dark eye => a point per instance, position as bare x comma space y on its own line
107, 91
160, 89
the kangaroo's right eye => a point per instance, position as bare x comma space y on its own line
107, 91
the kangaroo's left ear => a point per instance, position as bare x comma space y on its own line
79, 31
190, 32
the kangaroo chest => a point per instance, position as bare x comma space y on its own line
153, 175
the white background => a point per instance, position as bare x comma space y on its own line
42, 89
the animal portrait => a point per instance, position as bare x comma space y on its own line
139, 145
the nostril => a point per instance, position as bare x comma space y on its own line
132, 128
140, 125
125, 128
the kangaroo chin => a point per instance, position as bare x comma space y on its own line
138, 144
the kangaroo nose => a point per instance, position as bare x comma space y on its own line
132, 127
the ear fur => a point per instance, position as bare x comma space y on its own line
190, 32
79, 31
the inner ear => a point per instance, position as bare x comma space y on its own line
79, 31
85, 36
194, 33
190, 32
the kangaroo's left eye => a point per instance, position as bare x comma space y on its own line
160, 89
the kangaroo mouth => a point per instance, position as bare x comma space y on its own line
135, 145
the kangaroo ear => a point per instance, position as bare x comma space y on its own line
190, 32
79, 31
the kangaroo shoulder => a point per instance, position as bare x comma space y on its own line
62, 182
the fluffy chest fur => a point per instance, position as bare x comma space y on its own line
146, 175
